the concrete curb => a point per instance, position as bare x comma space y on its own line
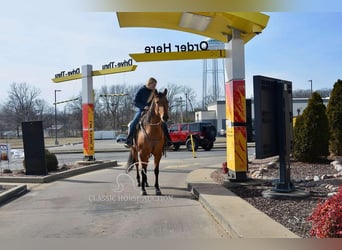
16, 191
116, 148
57, 176
237, 216
80, 151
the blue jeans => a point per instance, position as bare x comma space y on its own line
133, 124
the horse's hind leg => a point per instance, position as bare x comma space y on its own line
130, 162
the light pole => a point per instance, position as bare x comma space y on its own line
56, 90
186, 106
181, 108
310, 85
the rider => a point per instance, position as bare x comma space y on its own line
142, 101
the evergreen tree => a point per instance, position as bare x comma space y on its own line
299, 143
334, 113
311, 133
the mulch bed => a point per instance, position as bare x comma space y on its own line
291, 213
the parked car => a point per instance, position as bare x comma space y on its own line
121, 138
203, 133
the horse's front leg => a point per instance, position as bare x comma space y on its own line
156, 174
144, 178
138, 176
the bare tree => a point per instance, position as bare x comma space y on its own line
306, 93
21, 105
173, 91
75, 119
325, 92
42, 107
111, 102
190, 96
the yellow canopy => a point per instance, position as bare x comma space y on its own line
215, 25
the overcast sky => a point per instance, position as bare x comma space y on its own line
37, 43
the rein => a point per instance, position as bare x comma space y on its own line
154, 124
150, 113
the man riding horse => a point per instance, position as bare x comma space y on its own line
142, 102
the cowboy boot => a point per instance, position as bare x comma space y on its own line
129, 142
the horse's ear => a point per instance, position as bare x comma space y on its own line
165, 91
155, 92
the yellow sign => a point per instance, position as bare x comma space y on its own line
63, 77
188, 55
67, 78
113, 70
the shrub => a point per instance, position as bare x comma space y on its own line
7, 171
327, 218
334, 113
299, 137
311, 132
51, 161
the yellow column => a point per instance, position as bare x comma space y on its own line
88, 113
236, 129
236, 109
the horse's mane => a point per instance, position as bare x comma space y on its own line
148, 115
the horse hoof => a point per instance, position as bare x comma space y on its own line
138, 185
143, 192
158, 192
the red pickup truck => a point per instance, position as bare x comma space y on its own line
203, 133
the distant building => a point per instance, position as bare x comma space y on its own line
51, 131
216, 113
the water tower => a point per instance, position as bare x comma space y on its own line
213, 76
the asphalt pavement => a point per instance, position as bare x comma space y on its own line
236, 216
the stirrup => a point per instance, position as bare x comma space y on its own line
128, 143
169, 145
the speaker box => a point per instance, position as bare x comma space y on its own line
34, 148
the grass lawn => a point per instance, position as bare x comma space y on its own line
18, 143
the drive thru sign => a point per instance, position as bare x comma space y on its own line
86, 74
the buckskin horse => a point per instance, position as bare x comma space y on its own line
149, 140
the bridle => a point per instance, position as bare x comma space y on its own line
148, 116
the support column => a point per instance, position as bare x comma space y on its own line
236, 133
88, 113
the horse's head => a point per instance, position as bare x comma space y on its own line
161, 105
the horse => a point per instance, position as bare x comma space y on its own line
149, 140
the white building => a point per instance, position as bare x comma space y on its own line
216, 113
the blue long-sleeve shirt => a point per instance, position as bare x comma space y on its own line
141, 98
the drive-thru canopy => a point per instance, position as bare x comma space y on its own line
233, 28
216, 25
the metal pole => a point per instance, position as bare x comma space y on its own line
186, 106
56, 141
181, 108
